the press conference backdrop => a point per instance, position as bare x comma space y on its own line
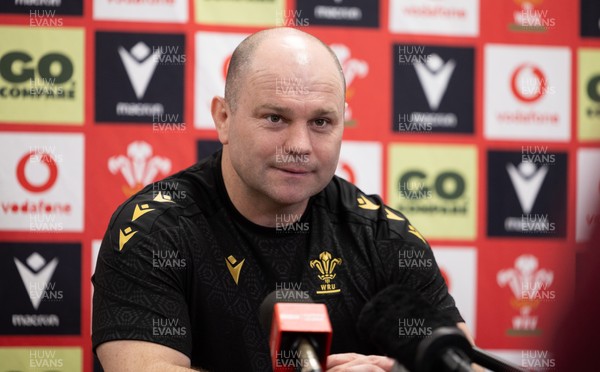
480, 120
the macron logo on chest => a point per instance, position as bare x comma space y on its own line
235, 267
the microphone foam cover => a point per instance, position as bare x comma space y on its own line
395, 321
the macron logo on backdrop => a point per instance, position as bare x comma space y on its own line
434, 76
36, 276
527, 181
140, 64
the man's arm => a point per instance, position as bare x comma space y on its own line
352, 362
133, 296
463, 327
375, 363
129, 355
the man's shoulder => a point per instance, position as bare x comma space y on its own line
161, 204
343, 197
351, 205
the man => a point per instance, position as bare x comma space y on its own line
180, 278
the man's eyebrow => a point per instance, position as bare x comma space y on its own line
325, 112
287, 111
271, 107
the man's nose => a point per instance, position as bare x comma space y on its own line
298, 138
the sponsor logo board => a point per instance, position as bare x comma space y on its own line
433, 89
588, 193
142, 11
348, 13
43, 8
435, 187
41, 75
527, 93
41, 358
527, 193
360, 164
588, 91
590, 18
42, 188
459, 268
431, 17
239, 12
139, 77
43, 283
522, 294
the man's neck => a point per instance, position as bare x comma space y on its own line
254, 206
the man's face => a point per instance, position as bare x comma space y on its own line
285, 133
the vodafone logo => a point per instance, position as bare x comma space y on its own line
43, 189
41, 158
528, 83
526, 92
457, 18
37, 173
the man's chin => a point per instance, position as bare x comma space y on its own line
288, 198
288, 193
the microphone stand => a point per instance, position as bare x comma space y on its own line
448, 349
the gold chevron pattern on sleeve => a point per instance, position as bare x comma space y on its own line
124, 236
392, 216
416, 233
365, 203
163, 198
140, 210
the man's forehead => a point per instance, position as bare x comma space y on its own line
292, 48
287, 52
286, 56
287, 108
282, 36
300, 81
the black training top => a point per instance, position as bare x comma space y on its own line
181, 267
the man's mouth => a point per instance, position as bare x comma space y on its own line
294, 170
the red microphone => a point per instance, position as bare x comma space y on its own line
299, 331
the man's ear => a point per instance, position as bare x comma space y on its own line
221, 116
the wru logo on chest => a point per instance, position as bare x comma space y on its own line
326, 265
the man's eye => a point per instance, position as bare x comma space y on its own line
321, 123
274, 118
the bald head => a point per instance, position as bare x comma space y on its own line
245, 56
